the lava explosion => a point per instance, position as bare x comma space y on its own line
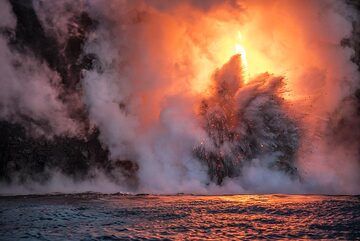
180, 96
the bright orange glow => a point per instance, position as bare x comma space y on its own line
239, 49
178, 51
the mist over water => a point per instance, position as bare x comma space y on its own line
204, 97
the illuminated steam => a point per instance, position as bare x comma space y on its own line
192, 96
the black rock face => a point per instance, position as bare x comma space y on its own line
345, 124
23, 157
67, 59
30, 158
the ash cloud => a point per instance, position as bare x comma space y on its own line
169, 107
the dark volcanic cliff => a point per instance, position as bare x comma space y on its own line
24, 157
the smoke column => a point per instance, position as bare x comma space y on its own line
198, 96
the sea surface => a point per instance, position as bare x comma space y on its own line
92, 216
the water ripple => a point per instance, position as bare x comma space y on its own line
147, 217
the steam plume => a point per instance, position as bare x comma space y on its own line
191, 96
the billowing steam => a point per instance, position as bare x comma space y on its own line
180, 96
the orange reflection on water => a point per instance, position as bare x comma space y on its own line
230, 217
94, 216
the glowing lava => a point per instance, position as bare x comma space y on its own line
239, 49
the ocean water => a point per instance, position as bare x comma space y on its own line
92, 216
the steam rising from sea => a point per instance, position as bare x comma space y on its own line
162, 84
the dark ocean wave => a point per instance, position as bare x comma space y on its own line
93, 216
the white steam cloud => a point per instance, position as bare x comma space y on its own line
155, 62
29, 89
